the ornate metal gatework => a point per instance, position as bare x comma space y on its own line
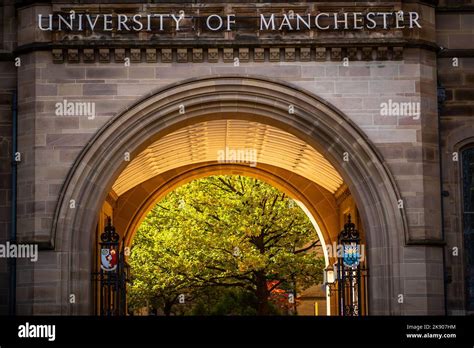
112, 275
348, 276
350, 271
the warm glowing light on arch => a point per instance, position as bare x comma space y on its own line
201, 142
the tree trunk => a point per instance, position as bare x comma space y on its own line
262, 293
167, 308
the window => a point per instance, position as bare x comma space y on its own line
468, 220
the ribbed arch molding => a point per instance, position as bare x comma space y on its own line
229, 141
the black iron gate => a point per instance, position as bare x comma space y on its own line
347, 278
112, 275
351, 275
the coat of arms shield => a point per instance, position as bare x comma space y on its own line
351, 255
108, 259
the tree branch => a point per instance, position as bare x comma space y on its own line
307, 248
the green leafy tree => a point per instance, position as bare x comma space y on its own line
226, 232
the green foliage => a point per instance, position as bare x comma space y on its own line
225, 301
223, 232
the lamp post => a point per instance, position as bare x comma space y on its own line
330, 277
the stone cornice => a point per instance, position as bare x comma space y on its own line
199, 51
213, 43
227, 55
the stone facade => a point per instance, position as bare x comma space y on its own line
8, 78
401, 67
456, 76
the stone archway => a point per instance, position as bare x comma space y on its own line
313, 120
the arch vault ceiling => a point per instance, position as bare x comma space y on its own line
202, 142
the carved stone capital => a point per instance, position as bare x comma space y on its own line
198, 56
135, 55
367, 53
150, 55
259, 54
212, 55
305, 54
352, 53
290, 54
244, 55
119, 55
336, 54
320, 54
88, 55
104, 55
228, 55
73, 55
274, 54
182, 55
166, 55
58, 56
